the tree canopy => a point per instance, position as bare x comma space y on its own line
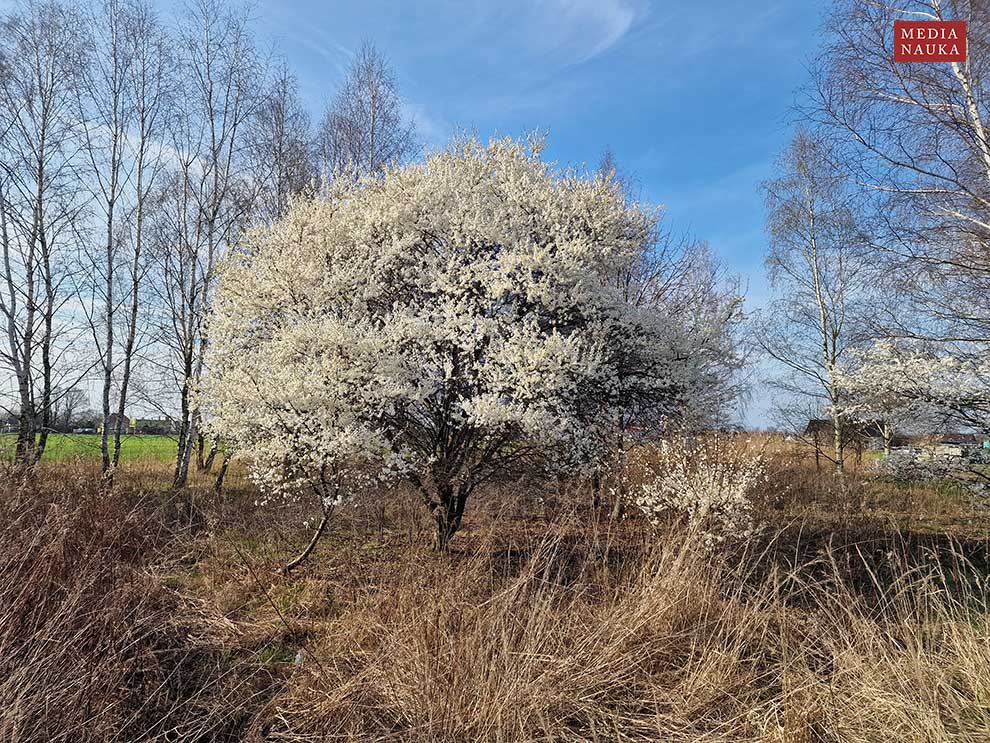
444, 324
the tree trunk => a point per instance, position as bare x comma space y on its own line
24, 451
447, 526
187, 433
619, 504
222, 473
132, 316
106, 437
205, 463
596, 489
448, 514
837, 444
46, 345
25, 419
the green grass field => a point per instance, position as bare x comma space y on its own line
68, 446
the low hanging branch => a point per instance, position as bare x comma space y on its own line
304, 555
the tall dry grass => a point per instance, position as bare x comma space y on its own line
670, 644
119, 622
92, 646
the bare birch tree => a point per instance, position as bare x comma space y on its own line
41, 56
152, 94
125, 96
916, 139
105, 115
817, 270
208, 197
364, 128
279, 145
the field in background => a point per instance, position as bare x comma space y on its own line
858, 614
86, 446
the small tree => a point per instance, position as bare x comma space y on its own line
445, 325
819, 276
917, 381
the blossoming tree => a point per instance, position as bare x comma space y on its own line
910, 384
894, 380
875, 396
442, 325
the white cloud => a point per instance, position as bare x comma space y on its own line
433, 131
580, 29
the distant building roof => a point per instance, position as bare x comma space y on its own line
960, 439
818, 425
858, 428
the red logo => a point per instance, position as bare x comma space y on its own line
929, 41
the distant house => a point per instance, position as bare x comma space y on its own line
125, 423
948, 449
957, 445
156, 426
149, 426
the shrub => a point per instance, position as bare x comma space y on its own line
708, 484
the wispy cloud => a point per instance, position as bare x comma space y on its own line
434, 131
309, 36
583, 29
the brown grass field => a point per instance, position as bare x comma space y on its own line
859, 614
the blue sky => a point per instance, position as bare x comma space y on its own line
695, 100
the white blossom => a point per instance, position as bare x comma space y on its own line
441, 324
708, 484
891, 379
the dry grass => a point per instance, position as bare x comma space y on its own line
121, 619
92, 647
671, 645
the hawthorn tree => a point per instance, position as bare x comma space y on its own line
443, 325
918, 381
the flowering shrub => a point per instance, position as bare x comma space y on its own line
707, 484
442, 325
